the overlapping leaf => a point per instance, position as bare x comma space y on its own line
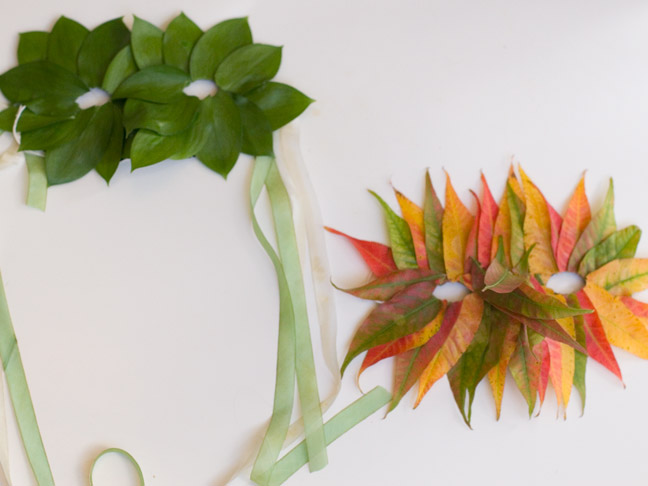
145, 73
510, 320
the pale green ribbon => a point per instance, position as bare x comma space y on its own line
20, 397
122, 453
37, 185
294, 354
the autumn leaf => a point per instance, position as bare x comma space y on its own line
620, 244
576, 219
400, 237
497, 375
602, 225
502, 228
487, 220
471, 243
406, 313
622, 277
622, 328
537, 230
410, 365
598, 346
525, 366
517, 212
456, 225
458, 340
374, 355
384, 288
413, 216
545, 366
480, 357
580, 359
433, 221
376, 255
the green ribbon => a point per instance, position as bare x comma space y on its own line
20, 397
37, 186
341, 423
295, 352
123, 453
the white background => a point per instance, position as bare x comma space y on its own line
146, 312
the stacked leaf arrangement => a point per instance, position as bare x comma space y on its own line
504, 254
148, 117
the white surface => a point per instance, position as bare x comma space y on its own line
146, 312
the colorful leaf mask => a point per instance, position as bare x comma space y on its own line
510, 319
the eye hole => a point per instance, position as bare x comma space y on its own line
201, 89
451, 291
566, 282
94, 97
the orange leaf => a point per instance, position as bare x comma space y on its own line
638, 308
413, 216
374, 355
537, 230
487, 220
576, 220
376, 255
456, 225
623, 329
471, 244
456, 343
497, 375
545, 365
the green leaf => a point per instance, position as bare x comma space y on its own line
525, 368
399, 236
433, 223
257, 132
404, 314
32, 46
64, 43
248, 67
44, 87
165, 119
98, 50
146, 42
179, 40
76, 158
53, 135
384, 288
620, 244
279, 102
31, 121
216, 44
158, 84
223, 144
517, 210
580, 359
149, 148
108, 164
482, 354
121, 67
7, 118
600, 227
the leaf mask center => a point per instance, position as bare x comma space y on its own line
94, 97
566, 283
451, 291
201, 89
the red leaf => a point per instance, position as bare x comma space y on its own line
598, 346
376, 255
487, 219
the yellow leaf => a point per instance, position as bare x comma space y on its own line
622, 277
457, 222
537, 230
622, 328
497, 375
454, 346
413, 216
